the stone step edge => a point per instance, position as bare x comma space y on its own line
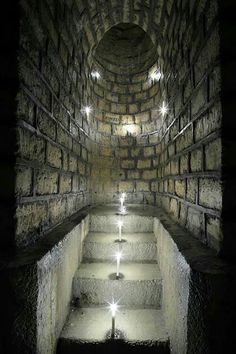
99, 260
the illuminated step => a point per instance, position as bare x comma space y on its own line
88, 331
131, 223
140, 284
136, 247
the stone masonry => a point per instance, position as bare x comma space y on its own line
66, 160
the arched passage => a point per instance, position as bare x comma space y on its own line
125, 101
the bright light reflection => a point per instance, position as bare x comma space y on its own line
87, 110
118, 256
122, 210
123, 195
95, 75
113, 308
163, 109
155, 75
120, 223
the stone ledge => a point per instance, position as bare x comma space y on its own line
50, 240
197, 255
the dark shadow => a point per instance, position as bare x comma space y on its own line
120, 241
113, 276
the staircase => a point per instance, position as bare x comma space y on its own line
139, 323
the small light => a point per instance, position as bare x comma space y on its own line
163, 109
120, 223
123, 195
123, 210
87, 110
118, 255
118, 258
95, 75
131, 129
155, 75
113, 308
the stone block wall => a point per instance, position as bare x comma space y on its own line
189, 165
198, 291
37, 290
173, 162
64, 157
52, 169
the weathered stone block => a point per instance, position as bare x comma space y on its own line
133, 108
25, 107
210, 193
127, 163
57, 210
192, 189
65, 183
23, 181
142, 117
54, 155
184, 164
174, 208
84, 154
133, 174
185, 139
208, 123
73, 163
180, 188
46, 125
81, 167
122, 153
144, 164
151, 174
126, 186
118, 108
142, 186
171, 185
154, 186
46, 182
75, 183
106, 151
171, 150
214, 232
148, 151
64, 138
213, 156
30, 217
136, 152
174, 167
196, 160
194, 221
31, 146
104, 128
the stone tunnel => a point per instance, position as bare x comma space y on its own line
118, 134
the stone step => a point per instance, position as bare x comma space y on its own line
140, 284
131, 223
135, 247
88, 331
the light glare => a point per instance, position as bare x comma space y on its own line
95, 75
120, 223
113, 308
155, 75
123, 195
163, 109
87, 110
118, 256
